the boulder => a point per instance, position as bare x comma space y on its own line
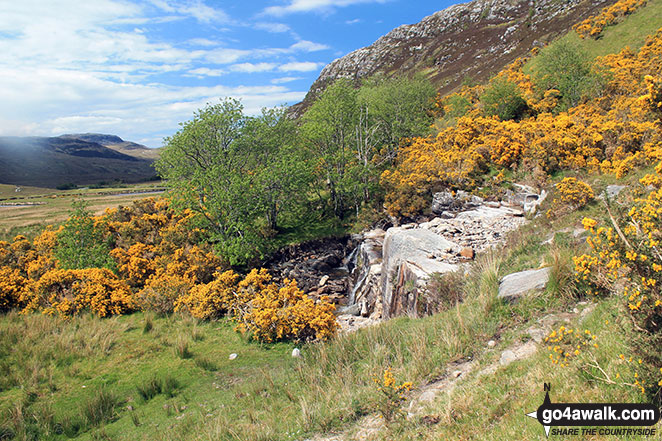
467, 253
516, 285
614, 190
442, 201
407, 267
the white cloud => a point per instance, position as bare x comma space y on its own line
299, 66
295, 6
206, 72
308, 46
275, 28
284, 80
355, 21
72, 66
252, 67
193, 8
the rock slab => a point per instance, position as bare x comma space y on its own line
515, 285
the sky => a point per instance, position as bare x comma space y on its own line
137, 69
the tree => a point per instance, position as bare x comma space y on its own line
237, 172
81, 243
355, 134
567, 68
329, 126
206, 169
280, 169
503, 99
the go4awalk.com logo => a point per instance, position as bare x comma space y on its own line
635, 419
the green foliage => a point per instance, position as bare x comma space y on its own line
504, 99
235, 171
353, 135
81, 244
566, 67
458, 105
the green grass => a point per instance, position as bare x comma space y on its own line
48, 206
631, 32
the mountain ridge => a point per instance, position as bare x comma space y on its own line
68, 159
468, 40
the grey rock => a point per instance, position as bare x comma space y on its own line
296, 353
354, 310
232, 356
507, 357
491, 344
537, 334
407, 266
614, 190
515, 285
442, 201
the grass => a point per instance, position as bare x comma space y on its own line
631, 32
36, 207
146, 377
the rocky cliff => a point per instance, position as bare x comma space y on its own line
470, 40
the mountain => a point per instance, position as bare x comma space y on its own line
118, 144
470, 40
73, 159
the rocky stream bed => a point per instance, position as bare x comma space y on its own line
381, 273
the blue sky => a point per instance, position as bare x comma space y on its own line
138, 68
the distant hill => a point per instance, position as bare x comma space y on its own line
472, 40
118, 144
79, 159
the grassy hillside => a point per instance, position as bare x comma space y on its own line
631, 33
54, 370
57, 162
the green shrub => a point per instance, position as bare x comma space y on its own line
567, 68
81, 244
503, 99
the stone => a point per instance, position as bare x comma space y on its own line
614, 190
406, 266
354, 310
507, 357
537, 334
516, 285
467, 253
232, 356
323, 280
456, 374
296, 353
442, 201
364, 309
491, 344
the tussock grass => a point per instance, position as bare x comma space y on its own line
101, 407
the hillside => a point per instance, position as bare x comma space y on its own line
466, 41
116, 143
73, 159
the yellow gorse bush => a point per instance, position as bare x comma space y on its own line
566, 344
613, 133
390, 395
163, 266
595, 24
629, 251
